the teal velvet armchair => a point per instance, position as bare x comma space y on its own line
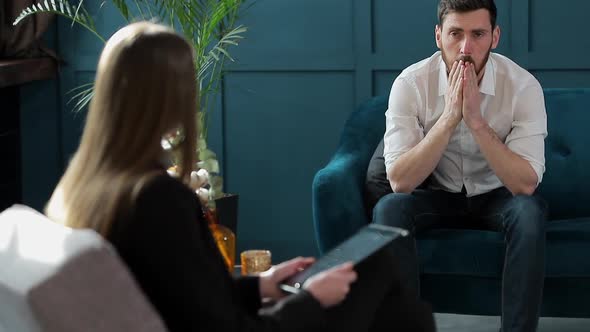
461, 269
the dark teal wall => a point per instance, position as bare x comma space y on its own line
301, 70
40, 114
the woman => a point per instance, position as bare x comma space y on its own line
117, 185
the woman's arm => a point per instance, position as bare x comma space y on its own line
168, 247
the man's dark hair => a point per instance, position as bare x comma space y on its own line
463, 6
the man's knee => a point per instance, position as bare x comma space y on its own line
528, 216
395, 209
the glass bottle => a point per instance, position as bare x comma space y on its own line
224, 238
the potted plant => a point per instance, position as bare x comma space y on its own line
211, 27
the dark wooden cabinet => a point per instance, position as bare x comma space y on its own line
10, 150
14, 73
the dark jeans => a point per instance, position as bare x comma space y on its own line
522, 220
377, 301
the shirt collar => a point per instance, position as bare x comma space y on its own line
488, 82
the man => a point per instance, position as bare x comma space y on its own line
474, 123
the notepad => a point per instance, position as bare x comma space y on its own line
355, 249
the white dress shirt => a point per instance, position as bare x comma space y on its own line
512, 103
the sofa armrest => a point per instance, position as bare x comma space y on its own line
337, 199
338, 189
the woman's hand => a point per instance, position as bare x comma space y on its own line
330, 287
269, 280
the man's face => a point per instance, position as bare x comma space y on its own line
467, 36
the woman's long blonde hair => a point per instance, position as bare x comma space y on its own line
145, 88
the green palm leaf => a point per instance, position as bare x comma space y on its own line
209, 25
83, 95
220, 48
122, 7
77, 14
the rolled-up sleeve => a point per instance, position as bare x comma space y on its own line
403, 130
529, 128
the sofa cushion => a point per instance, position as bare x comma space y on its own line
481, 253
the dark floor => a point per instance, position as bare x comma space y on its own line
466, 323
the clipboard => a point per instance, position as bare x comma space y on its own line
362, 244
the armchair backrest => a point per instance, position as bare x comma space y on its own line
53, 278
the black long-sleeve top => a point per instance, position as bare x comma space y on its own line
167, 245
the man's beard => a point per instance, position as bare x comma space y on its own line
466, 58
